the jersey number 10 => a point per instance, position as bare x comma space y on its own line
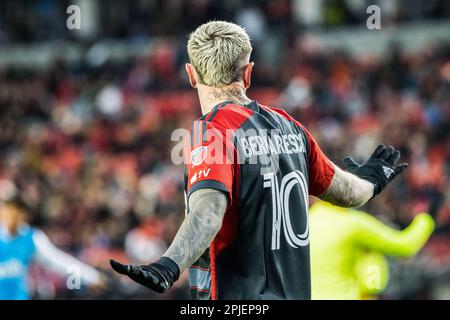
280, 208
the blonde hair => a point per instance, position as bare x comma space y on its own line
216, 50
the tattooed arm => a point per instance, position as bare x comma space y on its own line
347, 190
206, 210
362, 181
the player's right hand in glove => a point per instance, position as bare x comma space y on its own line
158, 276
380, 169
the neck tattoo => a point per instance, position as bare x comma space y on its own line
234, 93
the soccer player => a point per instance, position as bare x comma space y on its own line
250, 170
20, 244
339, 239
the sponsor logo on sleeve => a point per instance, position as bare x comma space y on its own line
200, 174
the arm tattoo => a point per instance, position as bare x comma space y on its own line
207, 208
347, 190
232, 92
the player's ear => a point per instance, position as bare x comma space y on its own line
191, 74
247, 74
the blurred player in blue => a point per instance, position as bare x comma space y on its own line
20, 244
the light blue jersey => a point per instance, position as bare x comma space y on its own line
31, 244
16, 253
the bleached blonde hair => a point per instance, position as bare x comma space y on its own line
216, 50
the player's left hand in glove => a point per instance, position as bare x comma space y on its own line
158, 276
380, 169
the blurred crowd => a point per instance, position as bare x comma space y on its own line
40, 20
90, 146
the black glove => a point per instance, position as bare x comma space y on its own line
158, 276
380, 169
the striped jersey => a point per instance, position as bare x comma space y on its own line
267, 163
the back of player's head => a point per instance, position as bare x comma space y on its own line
218, 51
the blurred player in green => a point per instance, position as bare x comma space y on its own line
348, 248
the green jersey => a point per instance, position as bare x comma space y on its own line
340, 237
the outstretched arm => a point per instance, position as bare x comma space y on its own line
207, 208
48, 255
347, 190
361, 182
372, 234
204, 220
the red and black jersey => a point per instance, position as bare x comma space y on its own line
267, 163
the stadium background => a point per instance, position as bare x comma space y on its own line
86, 116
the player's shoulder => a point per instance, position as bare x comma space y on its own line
283, 113
278, 110
218, 122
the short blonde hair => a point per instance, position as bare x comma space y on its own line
216, 50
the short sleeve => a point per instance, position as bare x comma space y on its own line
320, 168
209, 159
